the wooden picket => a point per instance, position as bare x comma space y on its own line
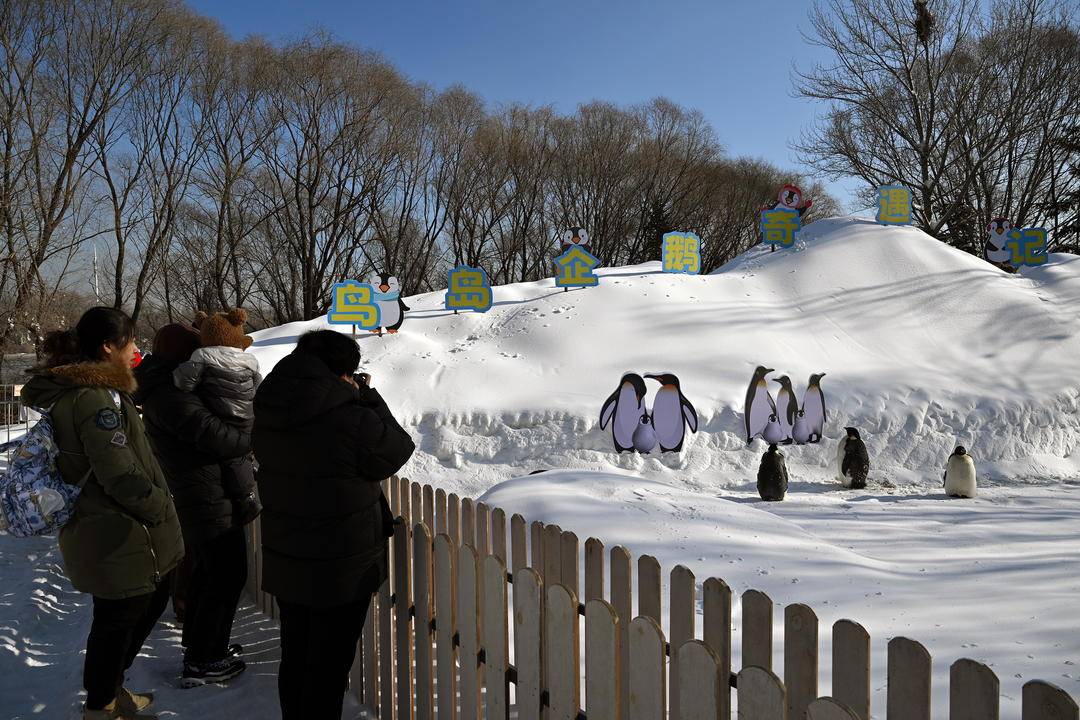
716, 631
828, 708
370, 658
429, 509
483, 530
517, 543
386, 652
416, 504
800, 658
425, 692
468, 523
453, 518
761, 695
402, 628
908, 694
536, 547
552, 541
468, 610
568, 563
440, 512
495, 641
603, 662
528, 609
445, 582
851, 667
974, 691
622, 601
649, 603
699, 684
562, 652
594, 570
648, 688
1046, 701
498, 535
756, 629
682, 614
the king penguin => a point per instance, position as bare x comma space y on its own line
623, 409
960, 474
810, 420
853, 462
672, 413
772, 475
786, 407
759, 404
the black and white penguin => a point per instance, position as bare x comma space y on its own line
809, 426
997, 235
759, 406
391, 307
575, 236
645, 435
786, 407
623, 409
852, 460
960, 474
672, 413
772, 476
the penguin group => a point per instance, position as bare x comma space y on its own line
634, 428
784, 421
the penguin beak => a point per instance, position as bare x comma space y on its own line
769, 370
384, 288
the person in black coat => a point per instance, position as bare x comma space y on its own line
209, 468
324, 441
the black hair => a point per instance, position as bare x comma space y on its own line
83, 343
338, 352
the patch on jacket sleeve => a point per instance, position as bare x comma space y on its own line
119, 439
107, 419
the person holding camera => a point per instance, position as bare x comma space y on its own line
324, 441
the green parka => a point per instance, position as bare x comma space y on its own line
124, 536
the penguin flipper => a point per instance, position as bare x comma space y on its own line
690, 415
607, 411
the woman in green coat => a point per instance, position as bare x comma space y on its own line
124, 538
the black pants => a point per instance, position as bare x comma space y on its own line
117, 634
318, 646
218, 574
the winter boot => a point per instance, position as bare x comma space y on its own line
219, 671
113, 711
131, 703
235, 651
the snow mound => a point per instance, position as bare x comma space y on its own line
924, 346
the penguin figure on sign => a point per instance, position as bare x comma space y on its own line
774, 433
960, 474
809, 426
772, 475
391, 307
645, 435
623, 409
997, 235
672, 413
786, 407
575, 236
759, 406
853, 462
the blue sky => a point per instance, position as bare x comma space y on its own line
731, 59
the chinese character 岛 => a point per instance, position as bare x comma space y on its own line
1028, 246
780, 226
575, 268
682, 253
354, 304
467, 288
894, 205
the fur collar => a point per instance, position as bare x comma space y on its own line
95, 374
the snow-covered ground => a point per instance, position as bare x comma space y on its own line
924, 347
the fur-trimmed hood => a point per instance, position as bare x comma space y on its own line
48, 383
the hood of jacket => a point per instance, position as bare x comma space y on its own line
48, 384
299, 389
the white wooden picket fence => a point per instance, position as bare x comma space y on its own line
437, 641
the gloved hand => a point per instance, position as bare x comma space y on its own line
246, 509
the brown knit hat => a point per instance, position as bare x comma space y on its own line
175, 342
223, 329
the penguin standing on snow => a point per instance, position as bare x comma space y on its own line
786, 407
759, 405
645, 436
772, 477
623, 409
809, 426
960, 474
672, 413
391, 307
853, 462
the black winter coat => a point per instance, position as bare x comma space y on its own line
323, 447
206, 460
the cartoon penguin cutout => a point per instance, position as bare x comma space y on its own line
645, 435
997, 235
790, 197
391, 307
960, 474
786, 408
852, 460
672, 413
623, 409
759, 405
575, 236
772, 475
809, 426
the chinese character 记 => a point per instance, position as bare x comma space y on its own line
354, 304
682, 253
894, 205
575, 269
1027, 246
467, 288
780, 226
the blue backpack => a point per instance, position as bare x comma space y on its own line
34, 499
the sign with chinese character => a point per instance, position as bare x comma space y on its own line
682, 253
354, 304
894, 205
467, 288
780, 226
574, 268
1027, 247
